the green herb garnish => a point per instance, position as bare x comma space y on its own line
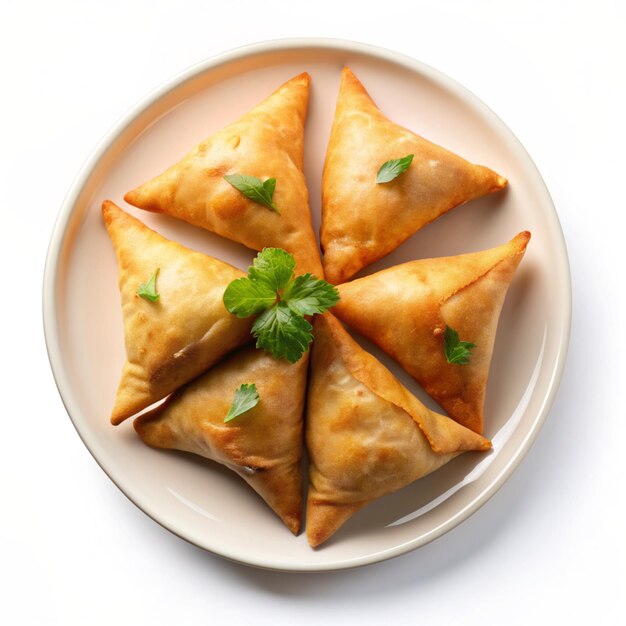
282, 302
255, 189
148, 290
245, 297
308, 295
282, 332
393, 168
272, 267
246, 398
457, 351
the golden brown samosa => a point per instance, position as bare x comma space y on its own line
267, 142
363, 220
366, 434
183, 333
262, 445
405, 310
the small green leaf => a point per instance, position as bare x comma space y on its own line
456, 351
272, 267
246, 398
245, 297
255, 189
393, 168
270, 186
282, 332
308, 295
148, 291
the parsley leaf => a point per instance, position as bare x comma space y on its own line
282, 301
393, 168
245, 297
255, 189
272, 267
148, 291
246, 398
456, 351
282, 332
308, 295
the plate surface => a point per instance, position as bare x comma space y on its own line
203, 502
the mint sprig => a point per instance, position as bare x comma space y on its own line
393, 168
246, 398
255, 189
456, 351
281, 302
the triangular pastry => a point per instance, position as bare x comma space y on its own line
366, 434
363, 220
405, 310
267, 142
262, 445
173, 340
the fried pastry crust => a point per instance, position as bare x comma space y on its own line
367, 435
173, 340
267, 142
405, 310
263, 445
362, 221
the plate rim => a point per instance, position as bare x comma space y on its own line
60, 231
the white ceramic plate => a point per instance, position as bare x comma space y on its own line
203, 502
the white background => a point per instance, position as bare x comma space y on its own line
549, 548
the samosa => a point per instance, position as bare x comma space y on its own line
425, 313
263, 445
367, 435
265, 144
180, 327
363, 219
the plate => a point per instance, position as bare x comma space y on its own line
204, 503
